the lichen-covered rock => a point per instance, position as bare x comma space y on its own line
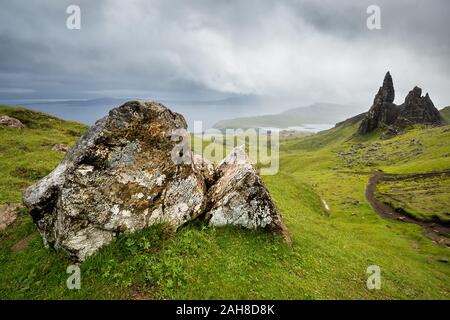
11, 122
119, 177
206, 168
239, 197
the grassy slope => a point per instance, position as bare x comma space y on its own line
445, 112
26, 155
426, 199
329, 260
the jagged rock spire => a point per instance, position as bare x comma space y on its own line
385, 114
388, 88
414, 94
382, 110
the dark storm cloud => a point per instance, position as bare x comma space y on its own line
307, 50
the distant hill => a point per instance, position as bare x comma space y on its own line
318, 113
208, 111
445, 113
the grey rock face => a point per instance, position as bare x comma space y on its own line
239, 197
387, 90
418, 109
7, 121
383, 111
384, 114
119, 177
206, 168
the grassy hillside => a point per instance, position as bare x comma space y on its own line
332, 249
26, 155
446, 114
426, 199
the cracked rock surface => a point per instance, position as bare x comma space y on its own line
239, 196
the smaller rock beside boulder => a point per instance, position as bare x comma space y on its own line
239, 197
7, 121
8, 214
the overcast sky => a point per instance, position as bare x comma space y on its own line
307, 50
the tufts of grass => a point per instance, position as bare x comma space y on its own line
26, 155
426, 199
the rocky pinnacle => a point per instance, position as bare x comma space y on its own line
384, 114
388, 89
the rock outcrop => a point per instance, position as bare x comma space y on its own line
11, 122
239, 197
384, 114
418, 109
120, 177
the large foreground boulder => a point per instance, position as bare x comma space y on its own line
119, 177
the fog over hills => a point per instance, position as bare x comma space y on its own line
208, 111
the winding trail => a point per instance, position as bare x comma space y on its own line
433, 230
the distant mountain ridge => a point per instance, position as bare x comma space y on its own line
208, 111
317, 113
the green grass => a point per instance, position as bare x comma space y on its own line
445, 113
26, 155
331, 251
426, 199
418, 150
